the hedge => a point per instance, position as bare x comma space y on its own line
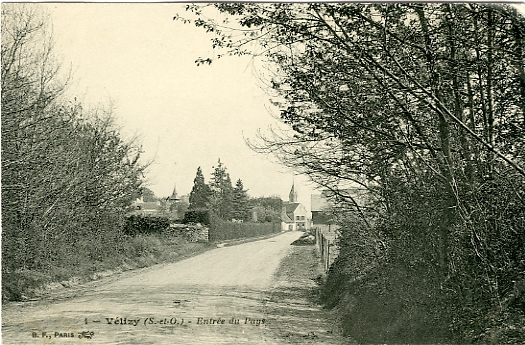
140, 224
223, 230
201, 216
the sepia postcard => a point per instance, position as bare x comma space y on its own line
263, 173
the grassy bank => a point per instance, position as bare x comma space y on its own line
293, 306
380, 301
130, 253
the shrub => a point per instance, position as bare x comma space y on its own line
224, 230
197, 216
139, 224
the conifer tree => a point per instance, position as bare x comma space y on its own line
221, 192
200, 193
240, 201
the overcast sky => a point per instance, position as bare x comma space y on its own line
185, 115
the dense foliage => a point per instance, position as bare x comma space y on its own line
200, 192
221, 230
68, 177
139, 224
266, 209
146, 194
220, 197
201, 216
240, 210
422, 105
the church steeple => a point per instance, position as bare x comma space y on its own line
292, 197
173, 196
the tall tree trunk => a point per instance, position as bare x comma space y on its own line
480, 64
454, 63
449, 198
520, 63
490, 96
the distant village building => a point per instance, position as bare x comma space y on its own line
294, 215
171, 202
164, 207
321, 211
146, 208
173, 197
254, 216
321, 205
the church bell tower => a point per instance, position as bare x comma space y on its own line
292, 197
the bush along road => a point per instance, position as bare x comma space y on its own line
252, 293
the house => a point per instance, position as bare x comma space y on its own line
146, 208
322, 204
294, 215
320, 209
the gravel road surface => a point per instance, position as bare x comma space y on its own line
229, 295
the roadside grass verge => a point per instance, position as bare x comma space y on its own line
78, 267
389, 304
292, 305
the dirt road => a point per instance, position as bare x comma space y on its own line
252, 293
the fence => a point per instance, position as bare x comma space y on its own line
325, 238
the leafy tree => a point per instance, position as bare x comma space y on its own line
221, 192
240, 209
200, 192
266, 214
267, 208
180, 207
148, 195
423, 106
68, 177
274, 203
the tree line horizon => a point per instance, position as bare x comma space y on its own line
230, 202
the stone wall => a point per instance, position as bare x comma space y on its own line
191, 232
